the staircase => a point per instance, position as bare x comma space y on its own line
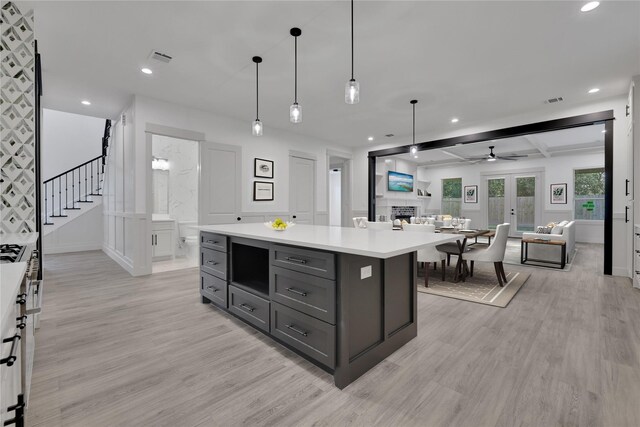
76, 191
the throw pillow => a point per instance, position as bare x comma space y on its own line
557, 229
543, 230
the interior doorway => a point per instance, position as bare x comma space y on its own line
339, 190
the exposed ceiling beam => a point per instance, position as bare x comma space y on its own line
449, 153
531, 139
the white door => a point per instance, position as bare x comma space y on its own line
302, 189
513, 198
220, 183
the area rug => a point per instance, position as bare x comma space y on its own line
512, 256
482, 288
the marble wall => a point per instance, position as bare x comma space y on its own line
176, 190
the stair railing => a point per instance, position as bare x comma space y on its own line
64, 190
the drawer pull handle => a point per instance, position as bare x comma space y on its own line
22, 299
247, 307
212, 289
213, 242
22, 322
298, 260
299, 331
297, 292
11, 358
212, 262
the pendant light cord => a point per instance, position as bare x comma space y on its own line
257, 98
414, 124
352, 74
295, 67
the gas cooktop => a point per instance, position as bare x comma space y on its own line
10, 253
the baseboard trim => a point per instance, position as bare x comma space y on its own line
122, 261
63, 249
621, 271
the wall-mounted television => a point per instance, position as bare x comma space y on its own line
400, 182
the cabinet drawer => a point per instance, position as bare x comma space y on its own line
321, 264
214, 262
309, 335
309, 294
213, 288
213, 241
251, 308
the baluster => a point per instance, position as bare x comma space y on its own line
53, 199
66, 190
46, 215
79, 186
92, 177
85, 183
60, 196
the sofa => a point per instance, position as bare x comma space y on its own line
565, 230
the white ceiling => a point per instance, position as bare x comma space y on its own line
566, 142
474, 60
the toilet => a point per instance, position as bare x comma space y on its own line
188, 239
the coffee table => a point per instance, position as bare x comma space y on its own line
524, 251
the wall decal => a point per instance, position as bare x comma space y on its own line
263, 168
558, 194
471, 194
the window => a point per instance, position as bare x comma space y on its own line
451, 196
588, 199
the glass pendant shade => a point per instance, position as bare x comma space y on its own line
256, 128
295, 113
352, 92
414, 149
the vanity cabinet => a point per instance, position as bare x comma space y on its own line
162, 239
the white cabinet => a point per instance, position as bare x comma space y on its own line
162, 239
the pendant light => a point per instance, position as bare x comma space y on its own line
256, 127
414, 148
295, 111
352, 89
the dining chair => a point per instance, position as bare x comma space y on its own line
360, 221
379, 225
429, 254
494, 253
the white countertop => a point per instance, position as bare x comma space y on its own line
19, 238
372, 243
11, 275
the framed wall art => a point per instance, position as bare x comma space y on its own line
262, 191
263, 168
558, 194
471, 194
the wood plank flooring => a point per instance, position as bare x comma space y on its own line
117, 350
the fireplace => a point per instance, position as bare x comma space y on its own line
403, 212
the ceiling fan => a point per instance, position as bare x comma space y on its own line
492, 157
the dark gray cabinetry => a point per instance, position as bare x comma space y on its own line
345, 313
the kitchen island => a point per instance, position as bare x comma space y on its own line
343, 298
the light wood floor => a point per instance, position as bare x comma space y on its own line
116, 350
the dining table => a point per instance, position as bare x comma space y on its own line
458, 248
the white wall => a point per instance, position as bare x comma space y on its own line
621, 231
68, 140
181, 193
555, 170
335, 197
83, 233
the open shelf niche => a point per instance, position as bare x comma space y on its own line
250, 269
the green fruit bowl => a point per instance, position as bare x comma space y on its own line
282, 227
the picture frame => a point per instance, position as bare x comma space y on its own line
471, 194
262, 191
263, 168
558, 194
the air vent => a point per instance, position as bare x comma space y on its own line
554, 100
389, 135
159, 56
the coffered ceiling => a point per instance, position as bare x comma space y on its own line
476, 60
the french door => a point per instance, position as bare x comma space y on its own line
513, 198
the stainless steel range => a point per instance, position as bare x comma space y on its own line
11, 253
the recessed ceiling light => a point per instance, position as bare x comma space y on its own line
594, 90
590, 6
455, 120
370, 138
146, 70
85, 102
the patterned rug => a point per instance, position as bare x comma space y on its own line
482, 288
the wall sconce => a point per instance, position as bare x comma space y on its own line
160, 164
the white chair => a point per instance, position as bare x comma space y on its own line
379, 225
360, 221
429, 254
467, 224
494, 253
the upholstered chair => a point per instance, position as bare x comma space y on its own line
494, 253
429, 254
